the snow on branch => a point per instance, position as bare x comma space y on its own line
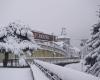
92, 59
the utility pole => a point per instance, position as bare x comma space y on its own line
53, 45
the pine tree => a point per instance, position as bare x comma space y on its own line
92, 60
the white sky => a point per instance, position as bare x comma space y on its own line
51, 15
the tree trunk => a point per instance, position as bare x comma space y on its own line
6, 59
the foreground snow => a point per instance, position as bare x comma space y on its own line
15, 74
66, 73
35, 73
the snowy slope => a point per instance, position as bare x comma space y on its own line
15, 74
67, 73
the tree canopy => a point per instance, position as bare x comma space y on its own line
17, 38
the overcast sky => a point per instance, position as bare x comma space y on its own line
49, 16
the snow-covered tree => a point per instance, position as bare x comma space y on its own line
92, 60
16, 38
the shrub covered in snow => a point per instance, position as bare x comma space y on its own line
92, 60
17, 38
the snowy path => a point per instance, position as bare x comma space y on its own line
41, 73
15, 74
48, 73
66, 73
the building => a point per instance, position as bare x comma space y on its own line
48, 46
53, 46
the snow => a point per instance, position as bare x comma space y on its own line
61, 43
96, 35
63, 36
96, 43
15, 74
38, 74
67, 73
22, 61
76, 49
75, 66
2, 31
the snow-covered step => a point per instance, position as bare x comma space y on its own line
48, 73
66, 73
37, 73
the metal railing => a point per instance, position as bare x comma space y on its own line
55, 59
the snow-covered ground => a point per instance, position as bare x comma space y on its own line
75, 66
15, 74
66, 73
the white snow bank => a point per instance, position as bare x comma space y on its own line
67, 73
75, 66
38, 74
15, 74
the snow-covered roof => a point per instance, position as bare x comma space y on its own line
60, 43
63, 36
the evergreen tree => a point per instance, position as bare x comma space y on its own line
92, 60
